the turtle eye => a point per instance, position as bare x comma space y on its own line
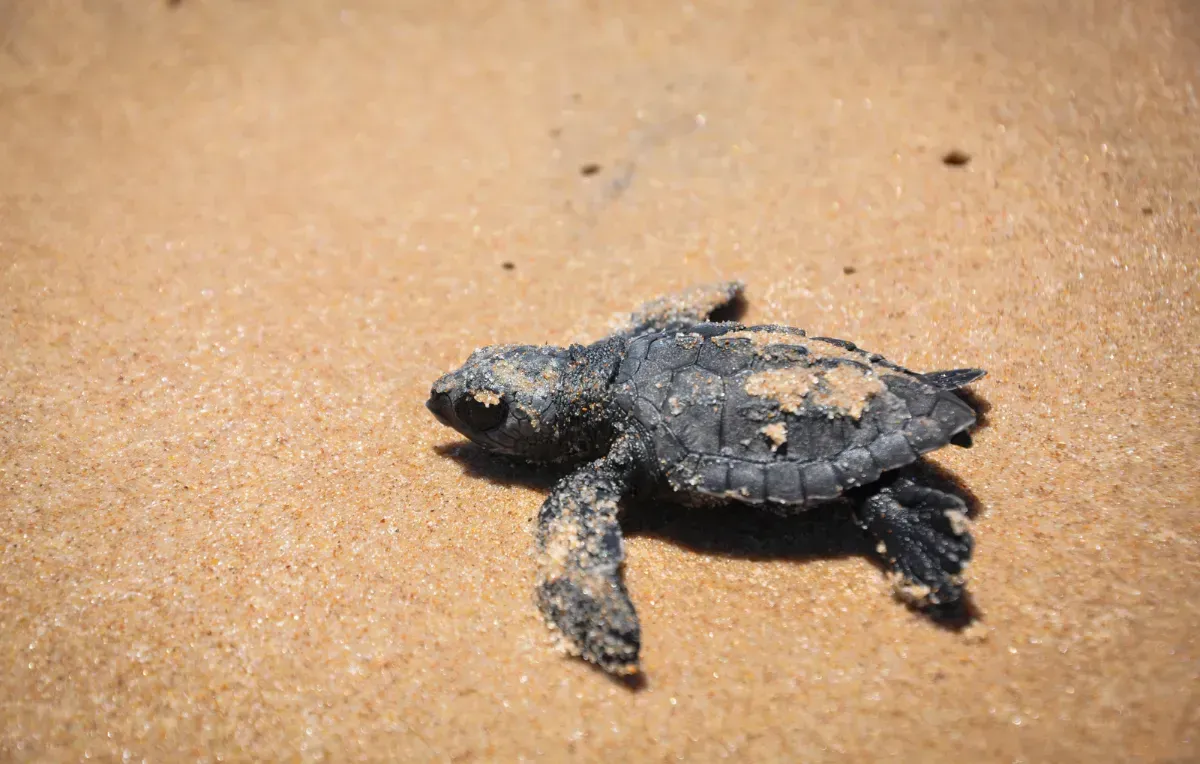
481, 416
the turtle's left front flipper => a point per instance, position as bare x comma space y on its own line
580, 591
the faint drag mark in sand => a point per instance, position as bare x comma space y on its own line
44, 39
1188, 728
611, 183
10, 27
604, 141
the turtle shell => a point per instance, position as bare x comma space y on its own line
766, 414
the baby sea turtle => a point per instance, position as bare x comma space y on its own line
758, 415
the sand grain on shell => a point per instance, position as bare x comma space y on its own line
816, 349
848, 389
776, 432
762, 339
788, 387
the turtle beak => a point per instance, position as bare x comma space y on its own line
439, 405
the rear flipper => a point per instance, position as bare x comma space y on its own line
952, 379
924, 537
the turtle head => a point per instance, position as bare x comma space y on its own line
502, 398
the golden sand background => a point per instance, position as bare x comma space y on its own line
238, 241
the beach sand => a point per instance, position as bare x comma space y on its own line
239, 241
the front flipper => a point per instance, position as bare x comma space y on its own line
924, 536
679, 311
580, 591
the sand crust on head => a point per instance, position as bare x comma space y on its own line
486, 397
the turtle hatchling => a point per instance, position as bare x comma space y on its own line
674, 405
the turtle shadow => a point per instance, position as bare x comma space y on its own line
734, 310
499, 470
737, 531
730, 530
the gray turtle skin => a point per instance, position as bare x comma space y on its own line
713, 412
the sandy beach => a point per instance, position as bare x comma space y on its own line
239, 241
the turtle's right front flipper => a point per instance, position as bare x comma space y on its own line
580, 591
679, 311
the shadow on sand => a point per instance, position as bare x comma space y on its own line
734, 530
